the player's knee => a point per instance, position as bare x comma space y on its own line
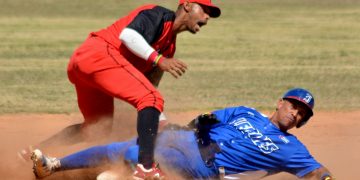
153, 99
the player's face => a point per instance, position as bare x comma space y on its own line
198, 17
290, 113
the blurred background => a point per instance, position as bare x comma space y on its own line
249, 56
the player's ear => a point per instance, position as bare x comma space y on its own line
187, 6
279, 103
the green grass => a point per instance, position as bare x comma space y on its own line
249, 56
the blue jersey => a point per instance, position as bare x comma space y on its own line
249, 141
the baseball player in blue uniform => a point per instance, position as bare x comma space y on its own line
230, 143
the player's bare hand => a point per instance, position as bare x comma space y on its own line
175, 67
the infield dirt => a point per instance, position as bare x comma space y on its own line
333, 138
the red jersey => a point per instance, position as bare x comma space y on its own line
154, 23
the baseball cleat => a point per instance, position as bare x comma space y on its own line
154, 173
42, 165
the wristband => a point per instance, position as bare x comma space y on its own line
158, 60
326, 176
153, 56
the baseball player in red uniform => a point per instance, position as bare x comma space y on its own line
126, 61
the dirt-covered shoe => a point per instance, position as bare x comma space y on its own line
149, 174
42, 165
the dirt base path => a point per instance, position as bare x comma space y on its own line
332, 137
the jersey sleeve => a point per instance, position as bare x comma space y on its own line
301, 163
227, 114
149, 23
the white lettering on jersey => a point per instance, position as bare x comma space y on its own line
264, 143
284, 139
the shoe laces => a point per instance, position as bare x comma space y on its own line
51, 163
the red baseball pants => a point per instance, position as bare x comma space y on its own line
100, 73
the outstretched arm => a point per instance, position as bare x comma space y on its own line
321, 173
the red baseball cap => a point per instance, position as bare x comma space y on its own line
214, 10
